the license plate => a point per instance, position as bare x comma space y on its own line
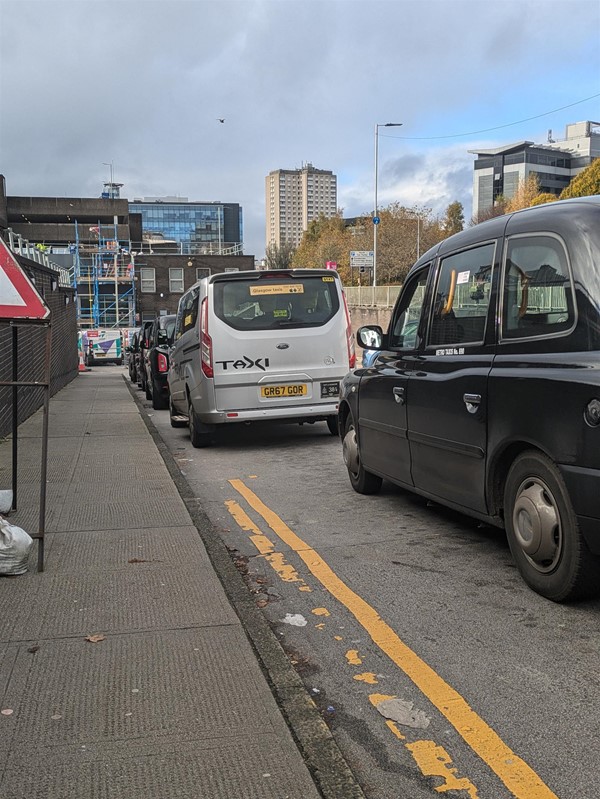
330, 390
291, 390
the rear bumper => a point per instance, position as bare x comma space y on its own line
584, 489
300, 412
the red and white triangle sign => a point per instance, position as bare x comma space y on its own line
18, 296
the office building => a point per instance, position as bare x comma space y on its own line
294, 197
497, 171
178, 226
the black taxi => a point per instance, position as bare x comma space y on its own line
485, 395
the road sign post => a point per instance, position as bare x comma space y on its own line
20, 304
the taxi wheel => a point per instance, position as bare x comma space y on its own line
362, 481
197, 438
333, 425
543, 533
147, 389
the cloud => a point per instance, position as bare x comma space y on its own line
140, 83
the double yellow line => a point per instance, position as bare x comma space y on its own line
516, 775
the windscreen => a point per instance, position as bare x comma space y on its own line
269, 304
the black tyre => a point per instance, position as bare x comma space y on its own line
172, 414
362, 481
147, 389
159, 402
198, 438
333, 425
543, 534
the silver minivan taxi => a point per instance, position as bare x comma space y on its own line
259, 345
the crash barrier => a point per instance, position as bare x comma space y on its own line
371, 296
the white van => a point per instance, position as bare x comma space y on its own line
252, 346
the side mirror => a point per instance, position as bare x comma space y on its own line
370, 337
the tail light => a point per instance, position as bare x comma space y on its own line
205, 341
161, 363
349, 336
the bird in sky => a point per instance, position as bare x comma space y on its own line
220, 120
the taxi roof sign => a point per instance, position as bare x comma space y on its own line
19, 298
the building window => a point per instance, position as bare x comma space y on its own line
176, 280
202, 271
148, 280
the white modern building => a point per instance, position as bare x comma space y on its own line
294, 197
497, 171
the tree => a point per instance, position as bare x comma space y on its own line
279, 257
326, 239
454, 221
585, 184
544, 197
497, 209
526, 192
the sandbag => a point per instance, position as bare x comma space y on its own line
15, 546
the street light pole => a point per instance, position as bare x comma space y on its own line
375, 217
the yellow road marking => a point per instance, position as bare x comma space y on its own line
367, 677
517, 776
321, 612
353, 658
434, 761
265, 546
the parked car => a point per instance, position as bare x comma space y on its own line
485, 395
134, 351
156, 362
255, 346
141, 354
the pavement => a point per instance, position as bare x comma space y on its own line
136, 665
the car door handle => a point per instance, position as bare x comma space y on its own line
472, 401
399, 395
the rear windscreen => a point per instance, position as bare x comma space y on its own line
269, 304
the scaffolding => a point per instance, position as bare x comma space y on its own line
103, 278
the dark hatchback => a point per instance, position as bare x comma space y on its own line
485, 395
156, 361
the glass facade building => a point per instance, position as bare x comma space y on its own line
191, 227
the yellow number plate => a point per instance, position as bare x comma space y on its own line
292, 390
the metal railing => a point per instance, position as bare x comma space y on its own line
371, 296
23, 247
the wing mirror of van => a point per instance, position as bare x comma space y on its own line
370, 337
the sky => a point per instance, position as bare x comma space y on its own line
136, 88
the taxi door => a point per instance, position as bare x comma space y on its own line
448, 397
382, 418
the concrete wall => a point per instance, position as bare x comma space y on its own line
31, 348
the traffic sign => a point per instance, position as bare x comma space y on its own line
18, 296
363, 259
376, 220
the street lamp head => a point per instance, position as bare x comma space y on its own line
393, 125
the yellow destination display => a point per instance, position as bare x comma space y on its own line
292, 390
284, 288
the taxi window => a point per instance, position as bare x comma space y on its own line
462, 297
405, 323
277, 302
537, 296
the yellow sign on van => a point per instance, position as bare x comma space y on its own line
277, 288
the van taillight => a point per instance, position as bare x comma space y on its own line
161, 363
205, 341
349, 336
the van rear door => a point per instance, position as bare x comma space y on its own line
279, 339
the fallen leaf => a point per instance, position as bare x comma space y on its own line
261, 603
137, 560
95, 638
33, 649
7, 711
